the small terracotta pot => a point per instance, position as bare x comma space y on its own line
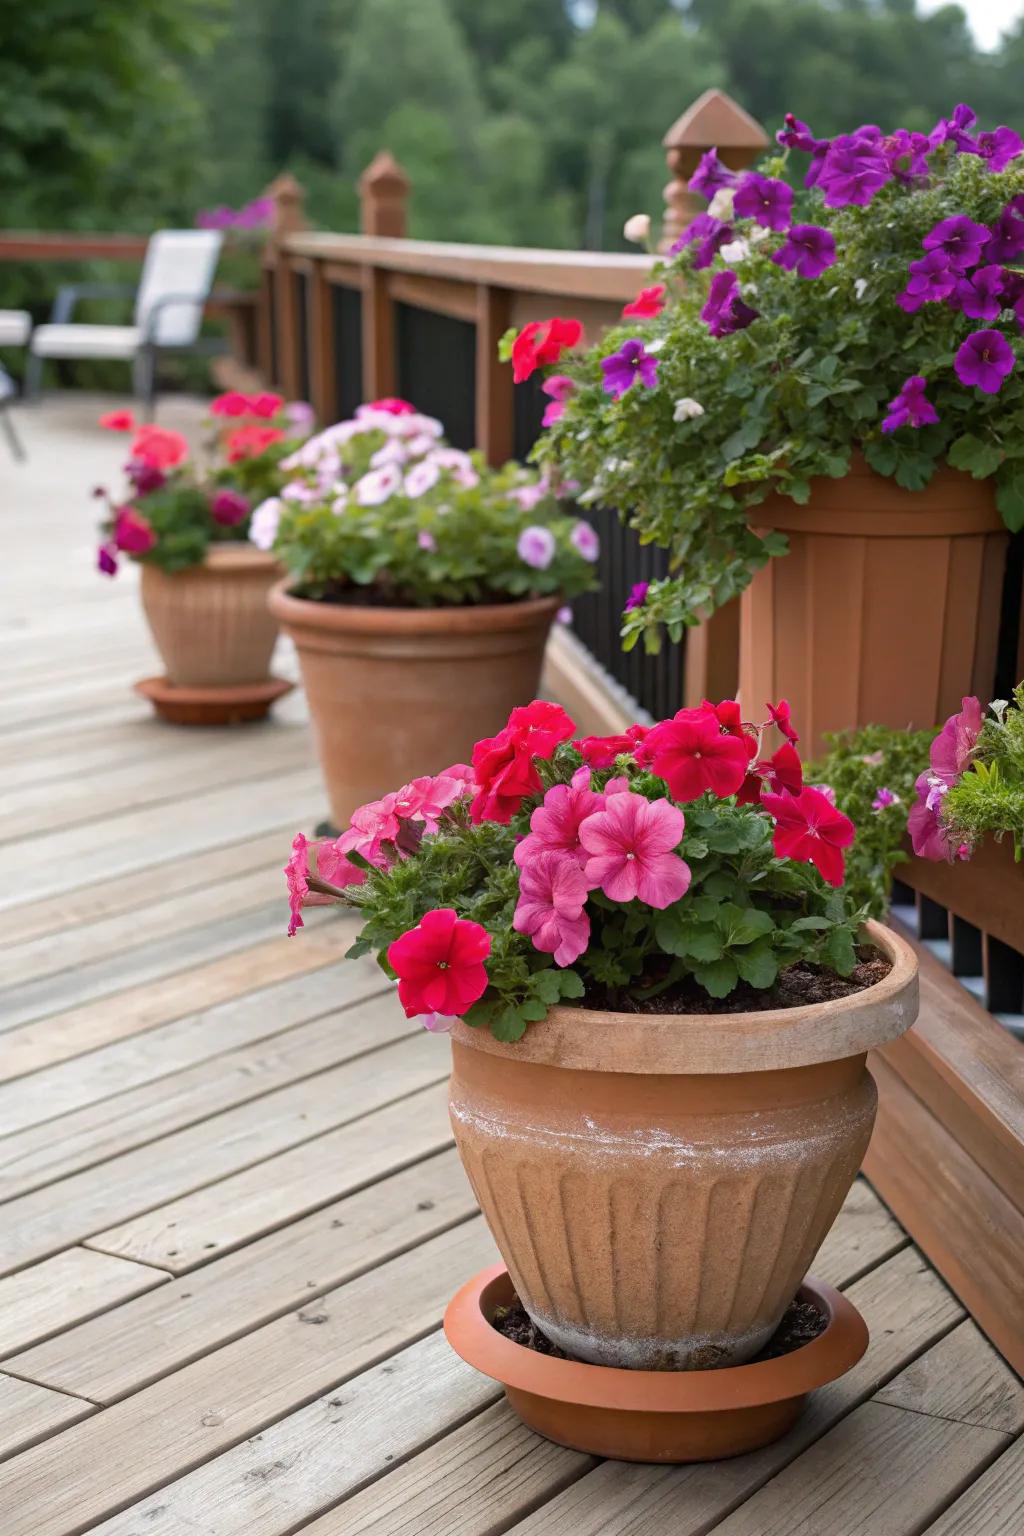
210, 622
658, 1185
399, 692
886, 609
655, 1416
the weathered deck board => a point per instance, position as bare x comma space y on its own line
230, 1213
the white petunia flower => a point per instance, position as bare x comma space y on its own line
264, 521
687, 409
422, 477
720, 206
378, 485
734, 251
637, 229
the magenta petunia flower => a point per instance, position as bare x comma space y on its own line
536, 547
767, 201
552, 894
632, 845
637, 595
853, 170
906, 154
808, 828
979, 293
955, 130
558, 388
930, 278
884, 798
710, 176
984, 361
1007, 233
725, 312
229, 507
809, 250
709, 234
928, 836
999, 147
911, 407
555, 825
106, 559
953, 747
960, 240
632, 362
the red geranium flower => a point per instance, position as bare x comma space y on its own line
118, 421
691, 753
782, 773
601, 751
159, 447
440, 964
393, 406
542, 342
503, 764
809, 828
248, 442
648, 303
780, 714
265, 405
233, 403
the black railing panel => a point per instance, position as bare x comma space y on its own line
301, 288
347, 360
436, 369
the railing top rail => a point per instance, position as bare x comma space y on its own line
577, 274
47, 245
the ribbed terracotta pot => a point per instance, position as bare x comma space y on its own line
658, 1185
210, 622
885, 610
399, 692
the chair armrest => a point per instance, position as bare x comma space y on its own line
69, 294
168, 301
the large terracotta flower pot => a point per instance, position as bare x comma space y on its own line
885, 610
210, 622
658, 1185
399, 692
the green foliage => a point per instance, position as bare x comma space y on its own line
988, 799
856, 767
746, 915
455, 543
789, 398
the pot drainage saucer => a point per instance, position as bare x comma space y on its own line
212, 706
653, 1416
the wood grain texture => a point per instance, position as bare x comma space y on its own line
54, 1295
992, 1506
29, 1413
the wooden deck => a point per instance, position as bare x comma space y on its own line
232, 1215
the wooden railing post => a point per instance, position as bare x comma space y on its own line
383, 192
495, 391
278, 352
714, 121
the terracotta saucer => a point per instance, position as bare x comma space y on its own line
657, 1416
212, 706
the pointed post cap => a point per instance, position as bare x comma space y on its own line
384, 176
715, 121
289, 201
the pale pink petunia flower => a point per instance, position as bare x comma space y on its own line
632, 845
378, 485
437, 1023
536, 547
526, 497
552, 895
585, 540
422, 477
426, 541
555, 825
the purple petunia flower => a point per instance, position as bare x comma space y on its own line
960, 240
911, 408
955, 130
1006, 241
631, 362
146, 478
913, 148
999, 147
931, 278
637, 595
885, 798
725, 312
809, 250
984, 360
796, 135
106, 561
710, 176
854, 169
766, 201
711, 234
979, 293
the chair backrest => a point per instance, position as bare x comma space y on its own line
179, 264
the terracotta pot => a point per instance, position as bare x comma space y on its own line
399, 692
659, 1416
658, 1185
210, 622
885, 610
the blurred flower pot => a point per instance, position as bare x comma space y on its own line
396, 693
210, 623
658, 1185
886, 609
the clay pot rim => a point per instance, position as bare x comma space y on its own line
830, 1355
303, 613
590, 1039
226, 558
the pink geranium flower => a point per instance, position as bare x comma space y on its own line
133, 533
632, 845
555, 825
552, 894
810, 829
